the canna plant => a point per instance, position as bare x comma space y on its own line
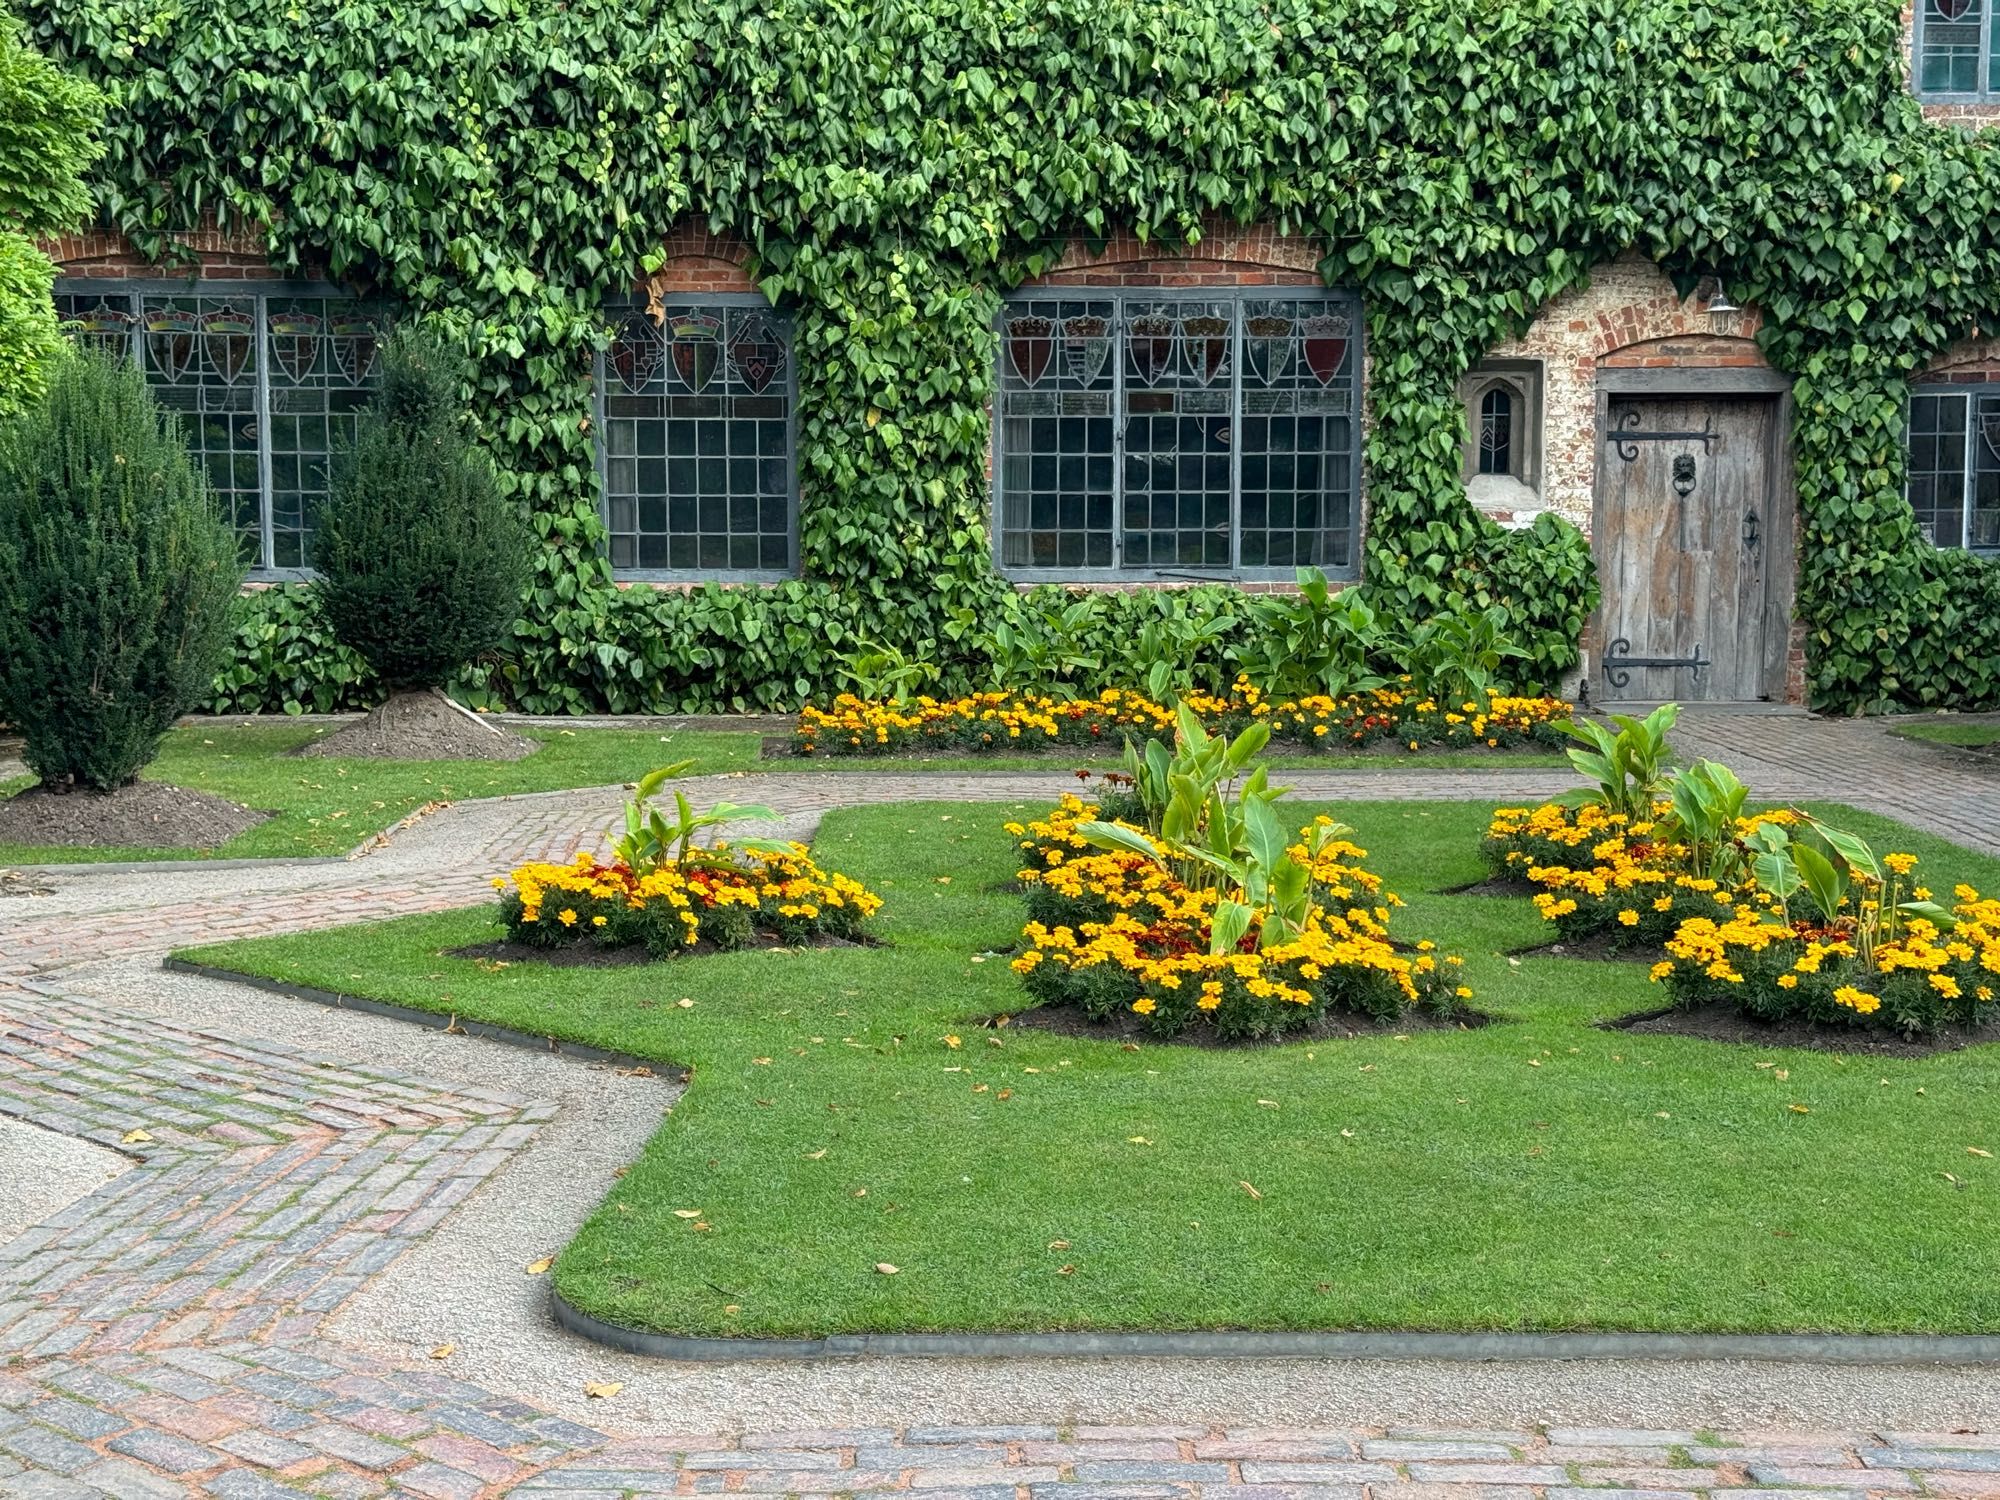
883, 674
1706, 802
650, 841
1626, 767
1868, 900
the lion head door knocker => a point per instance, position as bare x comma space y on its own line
1683, 474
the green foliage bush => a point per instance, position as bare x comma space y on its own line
48, 123
895, 168
116, 577
421, 561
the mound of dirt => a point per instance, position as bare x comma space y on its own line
421, 726
144, 815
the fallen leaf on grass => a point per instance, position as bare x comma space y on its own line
1065, 1270
1137, 1140
541, 1267
1059, 1244
1251, 1191
602, 1390
684, 1003
687, 1213
443, 1351
1798, 1109
819, 1155
883, 1268
1975, 1151
952, 1042
1268, 1103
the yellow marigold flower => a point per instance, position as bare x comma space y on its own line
1945, 985
1788, 981
1859, 1001
1144, 1005
567, 917
1660, 970
1628, 918
1902, 864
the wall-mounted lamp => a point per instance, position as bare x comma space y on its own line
1717, 303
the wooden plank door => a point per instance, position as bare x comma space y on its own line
1685, 518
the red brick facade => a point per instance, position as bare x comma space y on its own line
219, 255
1683, 351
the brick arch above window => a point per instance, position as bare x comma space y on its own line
1681, 350
699, 261
1226, 256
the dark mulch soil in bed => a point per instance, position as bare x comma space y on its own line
144, 815
421, 726
597, 956
1493, 885
1610, 945
1721, 1021
1063, 1020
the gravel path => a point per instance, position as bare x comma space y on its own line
322, 1201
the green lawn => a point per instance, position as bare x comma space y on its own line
327, 807
1943, 732
330, 806
1535, 1174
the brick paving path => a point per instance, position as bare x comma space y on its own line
163, 1335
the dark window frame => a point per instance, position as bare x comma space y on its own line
1972, 393
1989, 66
1119, 296
258, 292
603, 377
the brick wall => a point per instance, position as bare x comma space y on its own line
1628, 317
105, 254
1972, 361
698, 261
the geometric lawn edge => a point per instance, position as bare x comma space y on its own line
1807, 1348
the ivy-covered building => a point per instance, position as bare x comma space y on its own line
1666, 326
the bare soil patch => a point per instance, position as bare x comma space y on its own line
1493, 885
1608, 946
144, 815
1722, 1022
1064, 1020
421, 726
599, 956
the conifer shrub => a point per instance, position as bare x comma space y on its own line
117, 576
421, 560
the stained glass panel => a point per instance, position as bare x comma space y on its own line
265, 384
1163, 434
698, 440
1951, 40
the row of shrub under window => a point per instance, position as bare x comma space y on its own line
1202, 434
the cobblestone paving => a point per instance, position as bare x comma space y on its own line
163, 1335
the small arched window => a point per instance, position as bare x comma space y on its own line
1503, 420
1496, 431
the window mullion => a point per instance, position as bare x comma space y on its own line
1970, 478
260, 351
1118, 337
1235, 430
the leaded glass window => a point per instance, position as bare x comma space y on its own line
697, 448
1203, 434
1496, 431
1954, 467
266, 381
1957, 49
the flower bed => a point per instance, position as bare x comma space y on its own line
717, 896
1866, 948
983, 722
1917, 975
1116, 932
1600, 872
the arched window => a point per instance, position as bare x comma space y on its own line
1496, 431
1503, 418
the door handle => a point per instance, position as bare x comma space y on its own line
1750, 524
